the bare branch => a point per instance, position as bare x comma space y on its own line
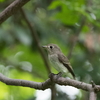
92, 95
12, 8
25, 83
48, 83
53, 92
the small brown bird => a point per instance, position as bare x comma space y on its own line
59, 61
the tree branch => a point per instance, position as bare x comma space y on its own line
12, 8
49, 82
92, 95
25, 83
53, 92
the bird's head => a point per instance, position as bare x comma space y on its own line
52, 48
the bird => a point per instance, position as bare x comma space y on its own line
59, 61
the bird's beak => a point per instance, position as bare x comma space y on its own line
44, 46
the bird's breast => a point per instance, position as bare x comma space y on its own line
56, 63
53, 58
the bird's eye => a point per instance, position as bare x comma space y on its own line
51, 47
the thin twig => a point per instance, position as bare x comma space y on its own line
36, 39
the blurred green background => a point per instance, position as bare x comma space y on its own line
72, 24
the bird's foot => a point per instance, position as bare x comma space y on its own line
51, 75
59, 74
56, 75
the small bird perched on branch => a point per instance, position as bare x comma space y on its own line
59, 61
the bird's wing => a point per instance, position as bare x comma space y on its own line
63, 59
